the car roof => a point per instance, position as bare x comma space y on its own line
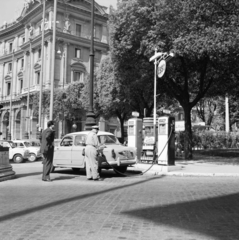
86, 132
26, 140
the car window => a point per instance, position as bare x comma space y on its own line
34, 144
27, 144
80, 140
18, 144
108, 139
67, 141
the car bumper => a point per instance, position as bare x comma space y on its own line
118, 162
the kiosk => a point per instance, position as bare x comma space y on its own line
166, 140
135, 135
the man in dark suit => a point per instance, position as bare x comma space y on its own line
47, 149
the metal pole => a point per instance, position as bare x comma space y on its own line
227, 118
10, 111
53, 60
42, 64
92, 58
90, 120
155, 86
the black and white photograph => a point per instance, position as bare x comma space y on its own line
119, 119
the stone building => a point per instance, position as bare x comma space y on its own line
21, 59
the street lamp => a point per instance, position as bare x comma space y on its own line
42, 63
159, 59
90, 116
53, 60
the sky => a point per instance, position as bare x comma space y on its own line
11, 9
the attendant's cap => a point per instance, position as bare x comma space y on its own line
95, 127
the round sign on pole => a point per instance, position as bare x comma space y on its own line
161, 68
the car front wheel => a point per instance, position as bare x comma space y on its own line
32, 157
121, 169
18, 158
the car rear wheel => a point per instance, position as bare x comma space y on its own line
121, 169
76, 170
32, 157
18, 158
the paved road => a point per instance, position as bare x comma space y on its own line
131, 208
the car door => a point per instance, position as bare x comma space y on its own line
77, 148
62, 153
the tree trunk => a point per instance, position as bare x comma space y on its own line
188, 154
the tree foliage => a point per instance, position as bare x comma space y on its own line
111, 93
202, 33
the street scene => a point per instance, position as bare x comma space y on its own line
132, 208
119, 119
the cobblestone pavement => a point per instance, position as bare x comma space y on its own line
131, 208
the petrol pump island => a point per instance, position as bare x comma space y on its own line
157, 147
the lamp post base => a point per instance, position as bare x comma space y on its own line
90, 120
26, 135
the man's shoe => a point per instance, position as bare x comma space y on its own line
89, 178
48, 180
98, 179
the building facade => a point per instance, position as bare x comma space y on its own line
21, 59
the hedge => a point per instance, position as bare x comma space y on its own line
210, 140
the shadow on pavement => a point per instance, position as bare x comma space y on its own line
104, 173
216, 217
20, 175
77, 198
62, 178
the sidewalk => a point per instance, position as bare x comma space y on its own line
189, 168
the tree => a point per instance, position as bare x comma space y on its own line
111, 98
202, 33
67, 103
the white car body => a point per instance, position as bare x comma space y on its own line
32, 146
18, 155
69, 152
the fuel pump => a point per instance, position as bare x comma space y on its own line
135, 135
148, 141
166, 140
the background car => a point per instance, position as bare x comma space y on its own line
32, 145
18, 155
69, 152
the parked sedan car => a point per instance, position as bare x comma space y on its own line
69, 152
18, 155
32, 145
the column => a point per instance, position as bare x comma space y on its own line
16, 44
65, 65
49, 68
26, 34
14, 78
31, 68
12, 123
50, 20
2, 80
45, 65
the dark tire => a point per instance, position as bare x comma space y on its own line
121, 169
52, 169
18, 158
76, 170
32, 157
